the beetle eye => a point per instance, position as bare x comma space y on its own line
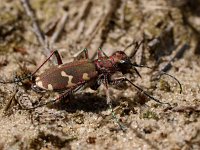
122, 61
123, 64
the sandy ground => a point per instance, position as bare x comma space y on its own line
171, 33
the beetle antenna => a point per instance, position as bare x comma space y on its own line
17, 79
162, 73
137, 72
29, 76
137, 45
145, 93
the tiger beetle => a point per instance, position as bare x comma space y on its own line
83, 72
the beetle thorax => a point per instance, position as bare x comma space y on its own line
113, 63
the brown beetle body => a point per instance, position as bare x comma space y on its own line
65, 76
71, 76
74, 74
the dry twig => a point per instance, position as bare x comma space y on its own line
107, 26
122, 16
36, 27
104, 24
94, 25
99, 24
59, 28
84, 11
80, 30
38, 32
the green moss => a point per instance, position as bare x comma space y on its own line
7, 18
164, 85
150, 115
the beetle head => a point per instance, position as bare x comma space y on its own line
123, 63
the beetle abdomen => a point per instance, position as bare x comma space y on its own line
65, 76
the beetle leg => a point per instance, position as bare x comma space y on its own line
86, 53
82, 55
52, 53
137, 46
101, 54
58, 57
29, 76
37, 89
109, 102
123, 79
94, 85
65, 94
60, 97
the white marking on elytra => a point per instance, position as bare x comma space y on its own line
69, 84
37, 79
50, 87
39, 84
59, 66
86, 76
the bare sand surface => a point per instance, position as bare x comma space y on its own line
171, 33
